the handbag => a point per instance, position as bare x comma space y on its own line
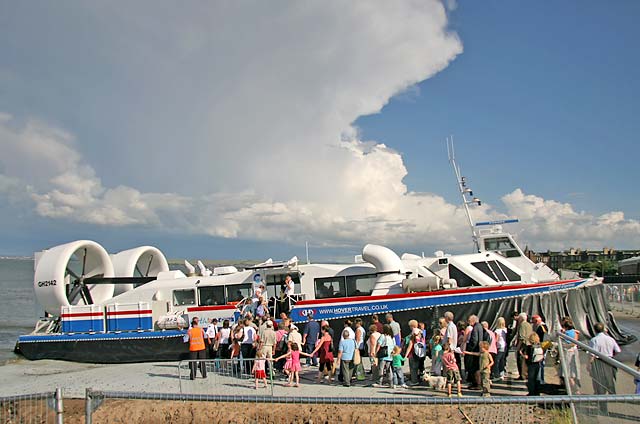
383, 352
357, 360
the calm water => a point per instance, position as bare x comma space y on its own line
18, 311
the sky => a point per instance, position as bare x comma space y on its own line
242, 130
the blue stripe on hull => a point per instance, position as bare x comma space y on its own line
345, 310
104, 336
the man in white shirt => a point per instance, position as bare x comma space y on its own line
451, 334
603, 375
289, 285
211, 333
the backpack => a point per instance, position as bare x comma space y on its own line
419, 349
537, 354
486, 337
282, 344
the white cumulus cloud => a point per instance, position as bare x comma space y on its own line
236, 120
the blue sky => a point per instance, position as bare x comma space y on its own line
241, 130
544, 98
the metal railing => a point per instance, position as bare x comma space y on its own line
235, 375
580, 363
44, 407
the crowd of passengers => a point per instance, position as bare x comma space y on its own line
449, 355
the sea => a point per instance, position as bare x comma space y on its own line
18, 308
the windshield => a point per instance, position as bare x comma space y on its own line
502, 245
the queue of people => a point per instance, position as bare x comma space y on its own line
470, 351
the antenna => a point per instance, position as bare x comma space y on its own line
464, 191
306, 248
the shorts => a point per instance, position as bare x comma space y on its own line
260, 374
453, 376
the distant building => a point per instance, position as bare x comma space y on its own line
567, 259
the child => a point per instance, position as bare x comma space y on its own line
259, 369
486, 362
436, 356
398, 375
452, 370
294, 367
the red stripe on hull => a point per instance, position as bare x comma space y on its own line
145, 311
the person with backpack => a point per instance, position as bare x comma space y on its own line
416, 353
533, 356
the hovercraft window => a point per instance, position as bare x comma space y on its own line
184, 297
213, 295
461, 278
482, 266
361, 285
237, 292
511, 275
496, 269
330, 287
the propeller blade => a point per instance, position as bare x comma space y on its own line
70, 271
86, 295
148, 267
84, 261
73, 294
138, 270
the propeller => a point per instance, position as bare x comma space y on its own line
77, 286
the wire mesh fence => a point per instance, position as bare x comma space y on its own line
32, 408
153, 407
235, 376
624, 297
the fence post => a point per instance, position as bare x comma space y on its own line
88, 407
565, 375
59, 407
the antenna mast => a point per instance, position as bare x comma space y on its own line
464, 191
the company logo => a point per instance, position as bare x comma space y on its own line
307, 312
46, 283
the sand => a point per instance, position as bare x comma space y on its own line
139, 411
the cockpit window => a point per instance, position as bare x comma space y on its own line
502, 245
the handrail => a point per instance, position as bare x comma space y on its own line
600, 356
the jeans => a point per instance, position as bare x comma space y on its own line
398, 376
501, 363
308, 348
